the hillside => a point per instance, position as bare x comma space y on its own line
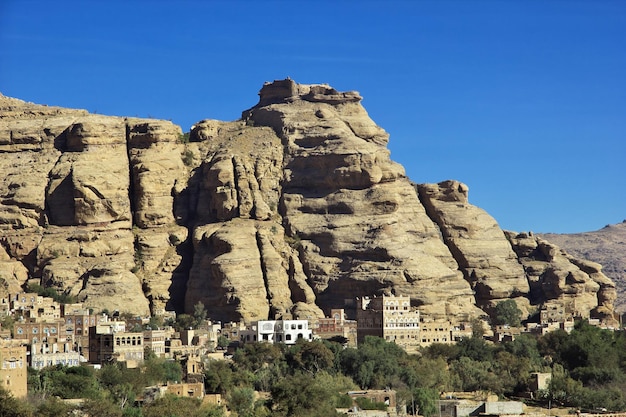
287, 212
607, 247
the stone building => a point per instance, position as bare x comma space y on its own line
435, 331
277, 331
156, 340
109, 341
337, 325
52, 353
391, 318
13, 368
33, 330
78, 320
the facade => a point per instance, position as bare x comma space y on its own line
277, 331
336, 326
32, 330
435, 331
53, 353
13, 368
387, 396
391, 318
232, 331
78, 320
109, 341
155, 340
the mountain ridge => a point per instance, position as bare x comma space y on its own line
287, 212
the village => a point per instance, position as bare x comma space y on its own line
47, 333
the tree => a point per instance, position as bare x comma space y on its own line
311, 356
241, 400
199, 313
13, 407
218, 377
54, 407
425, 401
302, 395
507, 312
222, 342
101, 408
174, 406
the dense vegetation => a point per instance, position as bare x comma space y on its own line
311, 378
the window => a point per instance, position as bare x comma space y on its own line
53, 330
20, 330
287, 337
35, 330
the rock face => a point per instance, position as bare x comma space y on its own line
285, 213
606, 246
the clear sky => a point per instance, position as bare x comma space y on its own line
524, 101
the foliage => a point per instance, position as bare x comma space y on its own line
241, 401
425, 401
50, 292
507, 312
184, 137
302, 395
222, 342
54, 407
199, 313
101, 408
13, 407
64, 382
7, 322
367, 404
588, 370
174, 406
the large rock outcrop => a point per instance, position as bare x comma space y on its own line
287, 212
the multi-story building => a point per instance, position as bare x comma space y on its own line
33, 330
156, 340
232, 330
78, 320
13, 367
53, 353
391, 318
337, 325
109, 341
32, 305
435, 331
277, 331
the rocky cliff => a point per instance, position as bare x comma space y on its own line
287, 212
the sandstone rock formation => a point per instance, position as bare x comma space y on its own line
287, 212
606, 246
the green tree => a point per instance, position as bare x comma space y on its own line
425, 401
219, 377
13, 407
241, 401
222, 342
54, 407
311, 357
507, 312
199, 313
101, 408
302, 395
175, 406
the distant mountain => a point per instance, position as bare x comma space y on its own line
606, 246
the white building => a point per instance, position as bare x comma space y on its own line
277, 331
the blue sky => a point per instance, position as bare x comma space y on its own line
524, 101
